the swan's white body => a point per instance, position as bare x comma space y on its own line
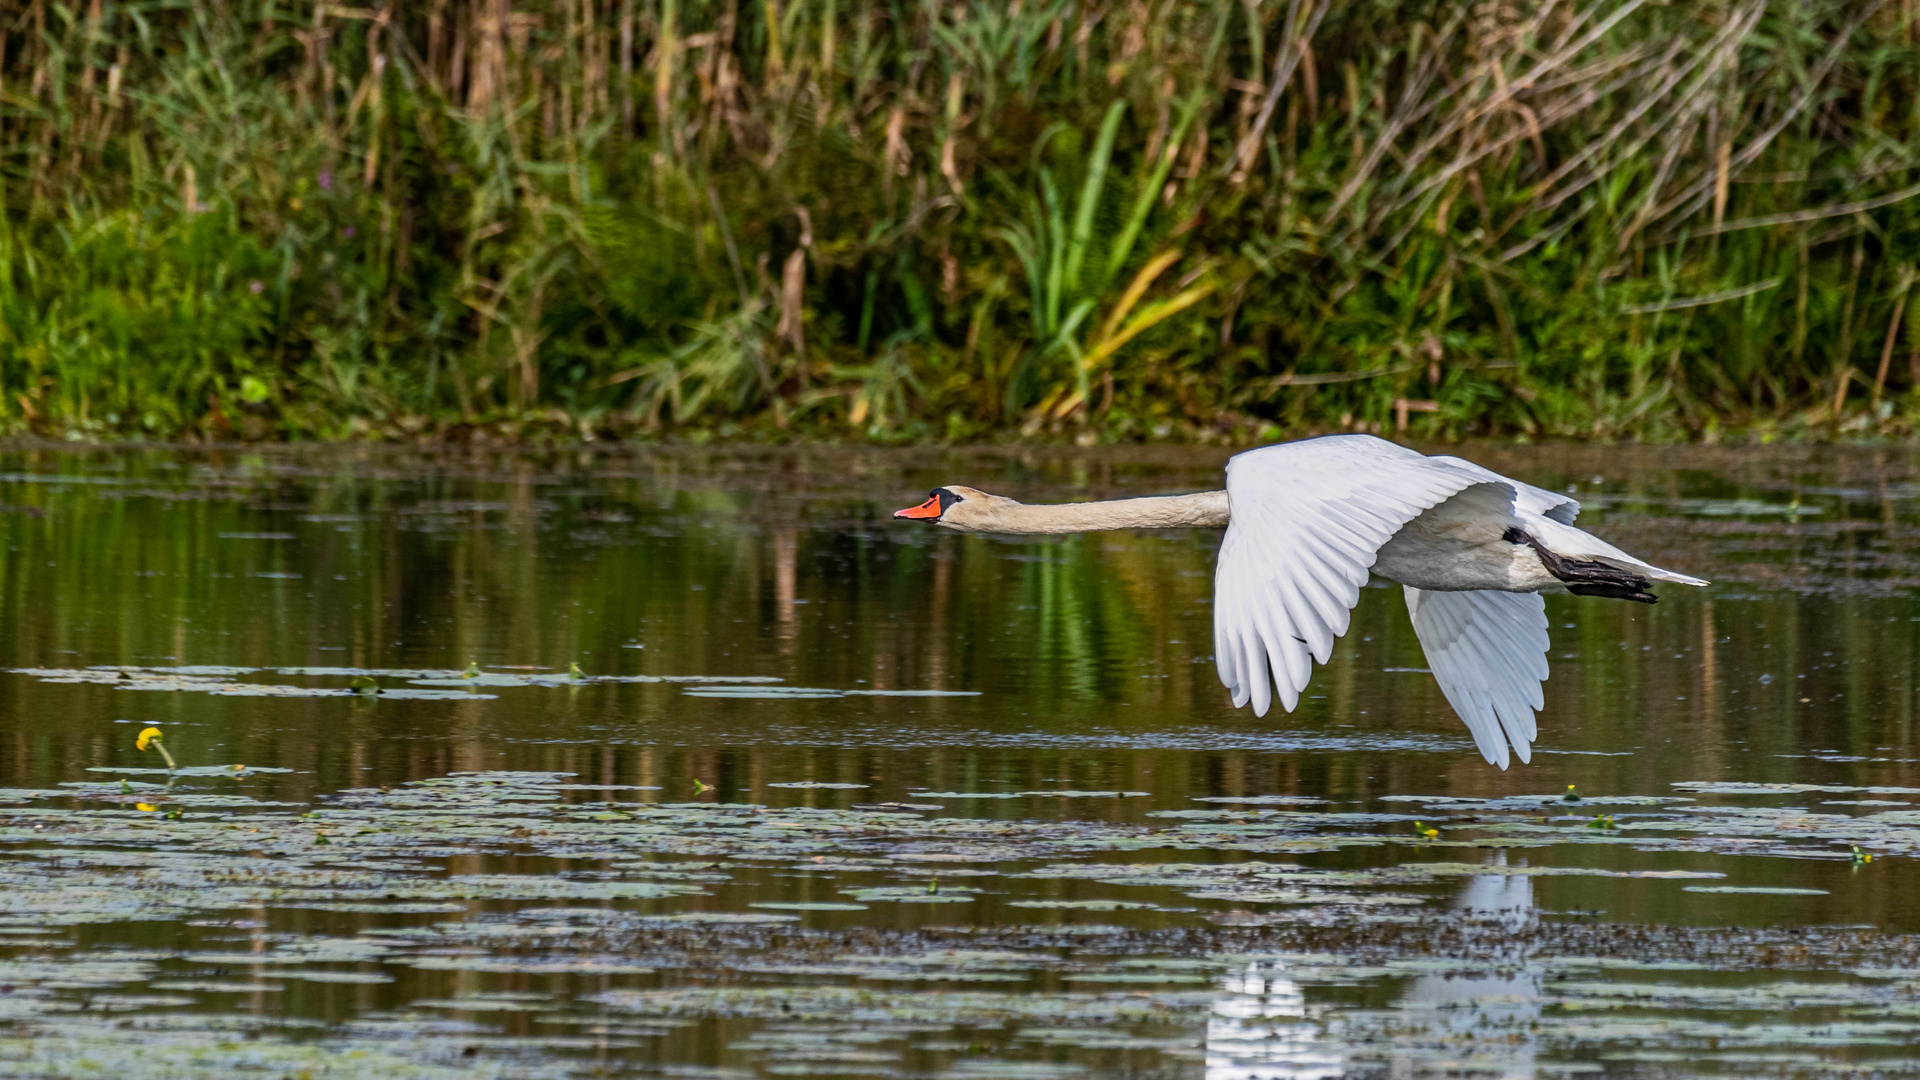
1308, 522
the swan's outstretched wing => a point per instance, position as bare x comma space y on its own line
1308, 519
1488, 653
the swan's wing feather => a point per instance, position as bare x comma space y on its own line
1527, 499
1488, 653
1308, 519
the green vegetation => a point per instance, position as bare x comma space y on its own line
909, 219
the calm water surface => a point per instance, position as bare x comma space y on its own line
835, 795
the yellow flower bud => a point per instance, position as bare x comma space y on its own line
150, 735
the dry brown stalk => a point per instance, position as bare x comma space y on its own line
1794, 217
793, 284
1687, 202
1294, 45
1893, 331
1476, 113
1722, 45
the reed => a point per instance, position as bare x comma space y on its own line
910, 219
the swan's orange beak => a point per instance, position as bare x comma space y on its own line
928, 509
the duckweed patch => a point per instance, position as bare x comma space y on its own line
423, 684
1021, 1000
432, 684
384, 851
461, 909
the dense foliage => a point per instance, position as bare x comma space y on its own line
941, 218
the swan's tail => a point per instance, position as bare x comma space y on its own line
1658, 574
1577, 545
1588, 577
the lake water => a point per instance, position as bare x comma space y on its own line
834, 795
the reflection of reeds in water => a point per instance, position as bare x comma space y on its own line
932, 219
786, 548
1102, 653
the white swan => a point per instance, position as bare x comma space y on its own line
1307, 522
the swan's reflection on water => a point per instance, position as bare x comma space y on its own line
1489, 1017
1261, 1030
1265, 1029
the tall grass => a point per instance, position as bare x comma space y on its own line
895, 219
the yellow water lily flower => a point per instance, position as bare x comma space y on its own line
147, 806
151, 738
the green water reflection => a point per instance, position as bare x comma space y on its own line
1043, 872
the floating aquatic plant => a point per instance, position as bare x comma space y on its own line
441, 684
661, 878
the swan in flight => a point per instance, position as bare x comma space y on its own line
1308, 521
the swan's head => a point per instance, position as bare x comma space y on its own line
963, 508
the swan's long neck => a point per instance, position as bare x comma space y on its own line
1204, 509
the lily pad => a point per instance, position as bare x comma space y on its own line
821, 785
1756, 890
911, 693
909, 895
1087, 905
767, 693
